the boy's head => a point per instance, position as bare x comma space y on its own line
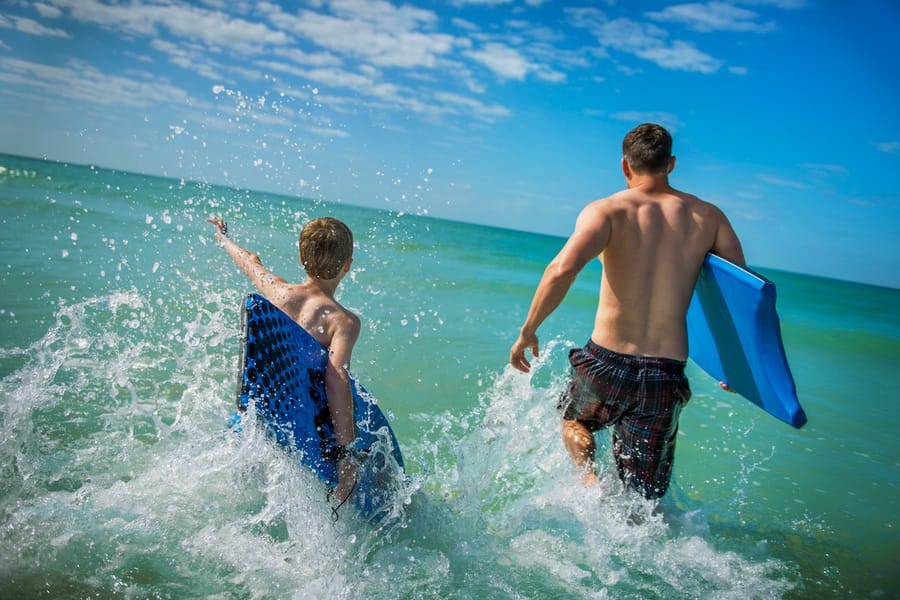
326, 244
648, 149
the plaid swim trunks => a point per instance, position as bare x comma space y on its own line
641, 397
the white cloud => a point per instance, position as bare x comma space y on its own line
825, 168
47, 11
377, 32
504, 61
488, 111
783, 4
326, 132
892, 147
193, 60
313, 59
464, 24
713, 16
81, 81
31, 27
647, 41
586, 18
214, 28
480, 2
667, 120
797, 185
680, 56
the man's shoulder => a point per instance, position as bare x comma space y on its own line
608, 204
623, 201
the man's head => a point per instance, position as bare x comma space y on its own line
648, 149
326, 244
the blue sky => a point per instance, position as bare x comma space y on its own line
502, 112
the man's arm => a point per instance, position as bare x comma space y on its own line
266, 282
727, 245
592, 229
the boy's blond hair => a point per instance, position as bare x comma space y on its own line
326, 244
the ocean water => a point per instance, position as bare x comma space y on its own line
119, 476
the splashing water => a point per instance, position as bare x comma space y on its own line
120, 474
124, 475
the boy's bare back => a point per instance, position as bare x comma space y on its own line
317, 312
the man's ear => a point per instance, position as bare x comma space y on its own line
671, 165
346, 267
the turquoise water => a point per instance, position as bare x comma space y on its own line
118, 373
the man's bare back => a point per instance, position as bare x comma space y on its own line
658, 238
652, 240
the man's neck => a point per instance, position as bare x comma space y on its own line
650, 184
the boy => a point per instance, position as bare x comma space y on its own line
326, 253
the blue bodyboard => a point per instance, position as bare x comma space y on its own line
734, 334
282, 375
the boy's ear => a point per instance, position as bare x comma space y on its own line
347, 264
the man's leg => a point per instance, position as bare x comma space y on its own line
580, 444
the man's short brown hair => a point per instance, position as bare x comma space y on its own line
647, 149
326, 244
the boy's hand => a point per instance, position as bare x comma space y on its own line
221, 227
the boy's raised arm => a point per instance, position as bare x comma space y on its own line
265, 281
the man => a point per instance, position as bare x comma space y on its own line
326, 253
651, 240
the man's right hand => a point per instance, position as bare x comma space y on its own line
517, 352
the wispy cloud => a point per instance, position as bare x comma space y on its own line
389, 56
489, 111
31, 27
778, 181
825, 168
783, 4
189, 58
81, 81
506, 62
667, 120
216, 29
644, 40
892, 147
377, 32
713, 16
47, 10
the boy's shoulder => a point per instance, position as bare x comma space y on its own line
347, 319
